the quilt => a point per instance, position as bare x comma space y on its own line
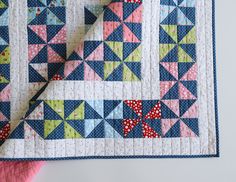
91, 79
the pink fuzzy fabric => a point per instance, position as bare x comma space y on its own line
19, 171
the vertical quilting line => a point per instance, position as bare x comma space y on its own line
206, 58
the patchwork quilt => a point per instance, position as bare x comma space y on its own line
107, 79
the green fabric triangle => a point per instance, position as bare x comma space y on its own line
165, 49
5, 56
135, 56
50, 125
183, 56
52, 19
2, 5
109, 67
171, 30
190, 38
57, 106
78, 113
128, 75
117, 48
70, 132
3, 80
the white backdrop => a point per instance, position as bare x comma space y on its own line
174, 170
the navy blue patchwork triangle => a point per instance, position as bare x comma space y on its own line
117, 124
4, 33
117, 74
165, 38
34, 76
116, 35
78, 125
57, 133
5, 109
3, 47
59, 12
165, 75
192, 124
18, 132
35, 3
155, 124
109, 55
77, 74
97, 66
90, 46
135, 67
50, 114
183, 68
40, 19
167, 113
53, 69
136, 29
52, 31
148, 105
189, 12
3, 86
5, 71
33, 38
129, 113
74, 56
98, 132
172, 55
174, 132
190, 49
172, 18
136, 132
168, 2
60, 49
109, 15
70, 106
2, 10
173, 93
129, 48
90, 112
109, 106
129, 8
183, 30
37, 126
191, 86
90, 18
41, 57
184, 105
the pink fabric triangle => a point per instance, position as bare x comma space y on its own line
109, 28
166, 125
40, 30
5, 94
60, 38
117, 8
191, 74
184, 93
53, 57
192, 112
172, 68
34, 50
80, 50
136, 16
97, 54
90, 74
70, 66
128, 35
173, 105
185, 131
2, 117
165, 87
